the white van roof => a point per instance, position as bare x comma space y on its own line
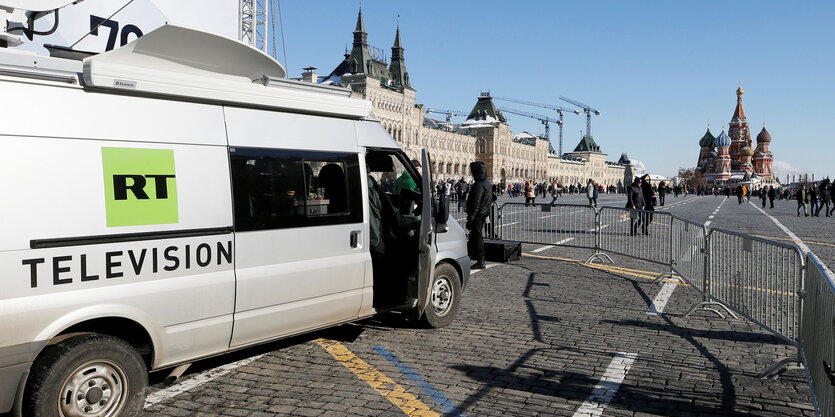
182, 62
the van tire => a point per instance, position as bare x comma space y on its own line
101, 365
444, 297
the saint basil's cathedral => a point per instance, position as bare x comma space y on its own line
732, 157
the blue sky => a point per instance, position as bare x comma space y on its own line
659, 71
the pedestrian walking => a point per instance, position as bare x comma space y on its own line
802, 195
556, 188
739, 193
461, 190
662, 192
649, 202
596, 193
824, 195
635, 201
478, 208
763, 195
530, 197
590, 191
772, 194
813, 199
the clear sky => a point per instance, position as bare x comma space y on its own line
659, 71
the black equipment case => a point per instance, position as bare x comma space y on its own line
502, 250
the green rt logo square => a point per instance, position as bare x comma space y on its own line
140, 186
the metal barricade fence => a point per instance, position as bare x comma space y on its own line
688, 251
758, 278
817, 335
459, 216
560, 224
643, 234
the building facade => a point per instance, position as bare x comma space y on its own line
732, 157
484, 136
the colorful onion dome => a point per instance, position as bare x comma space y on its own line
764, 136
707, 141
746, 151
723, 139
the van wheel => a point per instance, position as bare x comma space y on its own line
87, 376
444, 297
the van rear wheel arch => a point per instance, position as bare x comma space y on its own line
128, 330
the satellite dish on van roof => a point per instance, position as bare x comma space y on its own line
188, 51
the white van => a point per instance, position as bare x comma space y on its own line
178, 198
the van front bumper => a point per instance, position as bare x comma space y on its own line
15, 362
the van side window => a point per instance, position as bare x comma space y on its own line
277, 188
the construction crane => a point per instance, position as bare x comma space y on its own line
449, 113
558, 109
545, 120
586, 109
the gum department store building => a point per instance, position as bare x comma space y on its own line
485, 136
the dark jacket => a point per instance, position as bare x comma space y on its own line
461, 188
634, 197
646, 188
481, 195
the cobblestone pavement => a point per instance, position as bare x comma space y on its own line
545, 335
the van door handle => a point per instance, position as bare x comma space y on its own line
355, 238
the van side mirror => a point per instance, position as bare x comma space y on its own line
441, 214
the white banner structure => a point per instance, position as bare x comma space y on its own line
220, 17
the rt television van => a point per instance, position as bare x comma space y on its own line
179, 198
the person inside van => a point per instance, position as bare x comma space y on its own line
392, 235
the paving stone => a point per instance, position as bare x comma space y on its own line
533, 337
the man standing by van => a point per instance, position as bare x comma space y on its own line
478, 207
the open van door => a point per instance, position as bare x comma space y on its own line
426, 242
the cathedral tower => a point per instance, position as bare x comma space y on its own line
763, 159
723, 158
738, 132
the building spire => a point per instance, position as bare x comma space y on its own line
360, 23
360, 55
399, 75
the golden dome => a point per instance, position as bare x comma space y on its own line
739, 90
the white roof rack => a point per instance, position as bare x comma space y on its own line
178, 61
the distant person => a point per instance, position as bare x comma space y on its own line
772, 194
590, 191
824, 195
739, 193
479, 201
556, 188
596, 193
662, 192
461, 190
763, 195
813, 199
649, 202
635, 201
530, 197
802, 195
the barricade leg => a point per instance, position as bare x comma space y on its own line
779, 367
668, 275
708, 306
598, 253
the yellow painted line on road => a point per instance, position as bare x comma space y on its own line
610, 268
389, 389
791, 240
652, 275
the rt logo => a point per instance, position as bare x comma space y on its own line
140, 186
